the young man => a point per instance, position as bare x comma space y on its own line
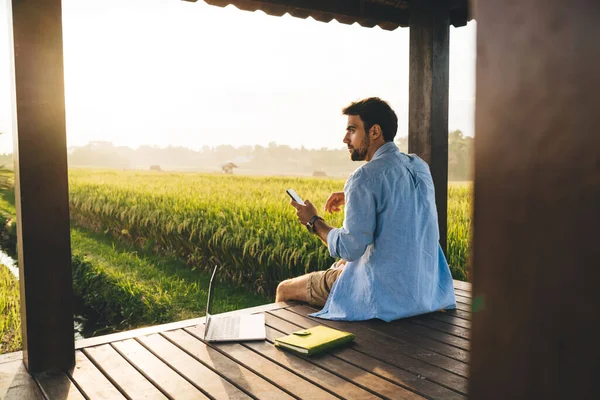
391, 264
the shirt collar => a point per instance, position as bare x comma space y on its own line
384, 149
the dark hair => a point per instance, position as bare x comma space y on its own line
374, 111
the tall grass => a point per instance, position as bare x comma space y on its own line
459, 229
10, 317
243, 223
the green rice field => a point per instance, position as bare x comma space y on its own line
10, 317
245, 224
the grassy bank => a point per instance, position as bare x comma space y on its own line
129, 289
10, 317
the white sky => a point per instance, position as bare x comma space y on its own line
168, 72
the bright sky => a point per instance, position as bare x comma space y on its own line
168, 72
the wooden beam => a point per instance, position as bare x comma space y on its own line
428, 96
41, 187
537, 201
367, 14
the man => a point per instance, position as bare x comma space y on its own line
391, 264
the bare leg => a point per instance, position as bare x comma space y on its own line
293, 289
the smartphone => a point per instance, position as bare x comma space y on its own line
295, 196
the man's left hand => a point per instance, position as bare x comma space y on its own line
304, 212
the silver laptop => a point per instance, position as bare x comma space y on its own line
229, 328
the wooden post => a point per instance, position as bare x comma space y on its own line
428, 92
537, 201
41, 187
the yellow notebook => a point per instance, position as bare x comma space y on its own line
314, 340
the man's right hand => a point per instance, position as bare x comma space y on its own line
334, 202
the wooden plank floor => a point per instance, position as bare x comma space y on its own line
421, 357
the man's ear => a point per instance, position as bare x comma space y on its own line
375, 132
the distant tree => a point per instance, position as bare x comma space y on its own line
460, 156
402, 143
101, 154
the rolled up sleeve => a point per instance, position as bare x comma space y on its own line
350, 241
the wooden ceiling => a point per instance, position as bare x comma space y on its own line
387, 14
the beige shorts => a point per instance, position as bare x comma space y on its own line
319, 285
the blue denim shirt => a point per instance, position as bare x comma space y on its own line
390, 239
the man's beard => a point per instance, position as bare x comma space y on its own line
360, 154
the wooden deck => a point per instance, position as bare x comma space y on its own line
421, 357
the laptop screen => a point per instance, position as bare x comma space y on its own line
208, 300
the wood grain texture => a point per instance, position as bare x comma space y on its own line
463, 299
236, 373
326, 379
121, 374
91, 380
443, 326
463, 323
156, 371
41, 187
411, 329
277, 327
537, 197
283, 378
465, 286
428, 96
193, 370
402, 336
417, 361
466, 315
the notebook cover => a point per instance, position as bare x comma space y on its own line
315, 340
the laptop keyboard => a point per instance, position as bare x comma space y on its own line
225, 328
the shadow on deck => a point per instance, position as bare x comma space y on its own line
425, 356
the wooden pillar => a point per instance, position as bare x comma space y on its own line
537, 201
41, 187
428, 92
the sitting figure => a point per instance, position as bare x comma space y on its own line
391, 264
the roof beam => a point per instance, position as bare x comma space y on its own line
366, 14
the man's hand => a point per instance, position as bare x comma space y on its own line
334, 202
304, 212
